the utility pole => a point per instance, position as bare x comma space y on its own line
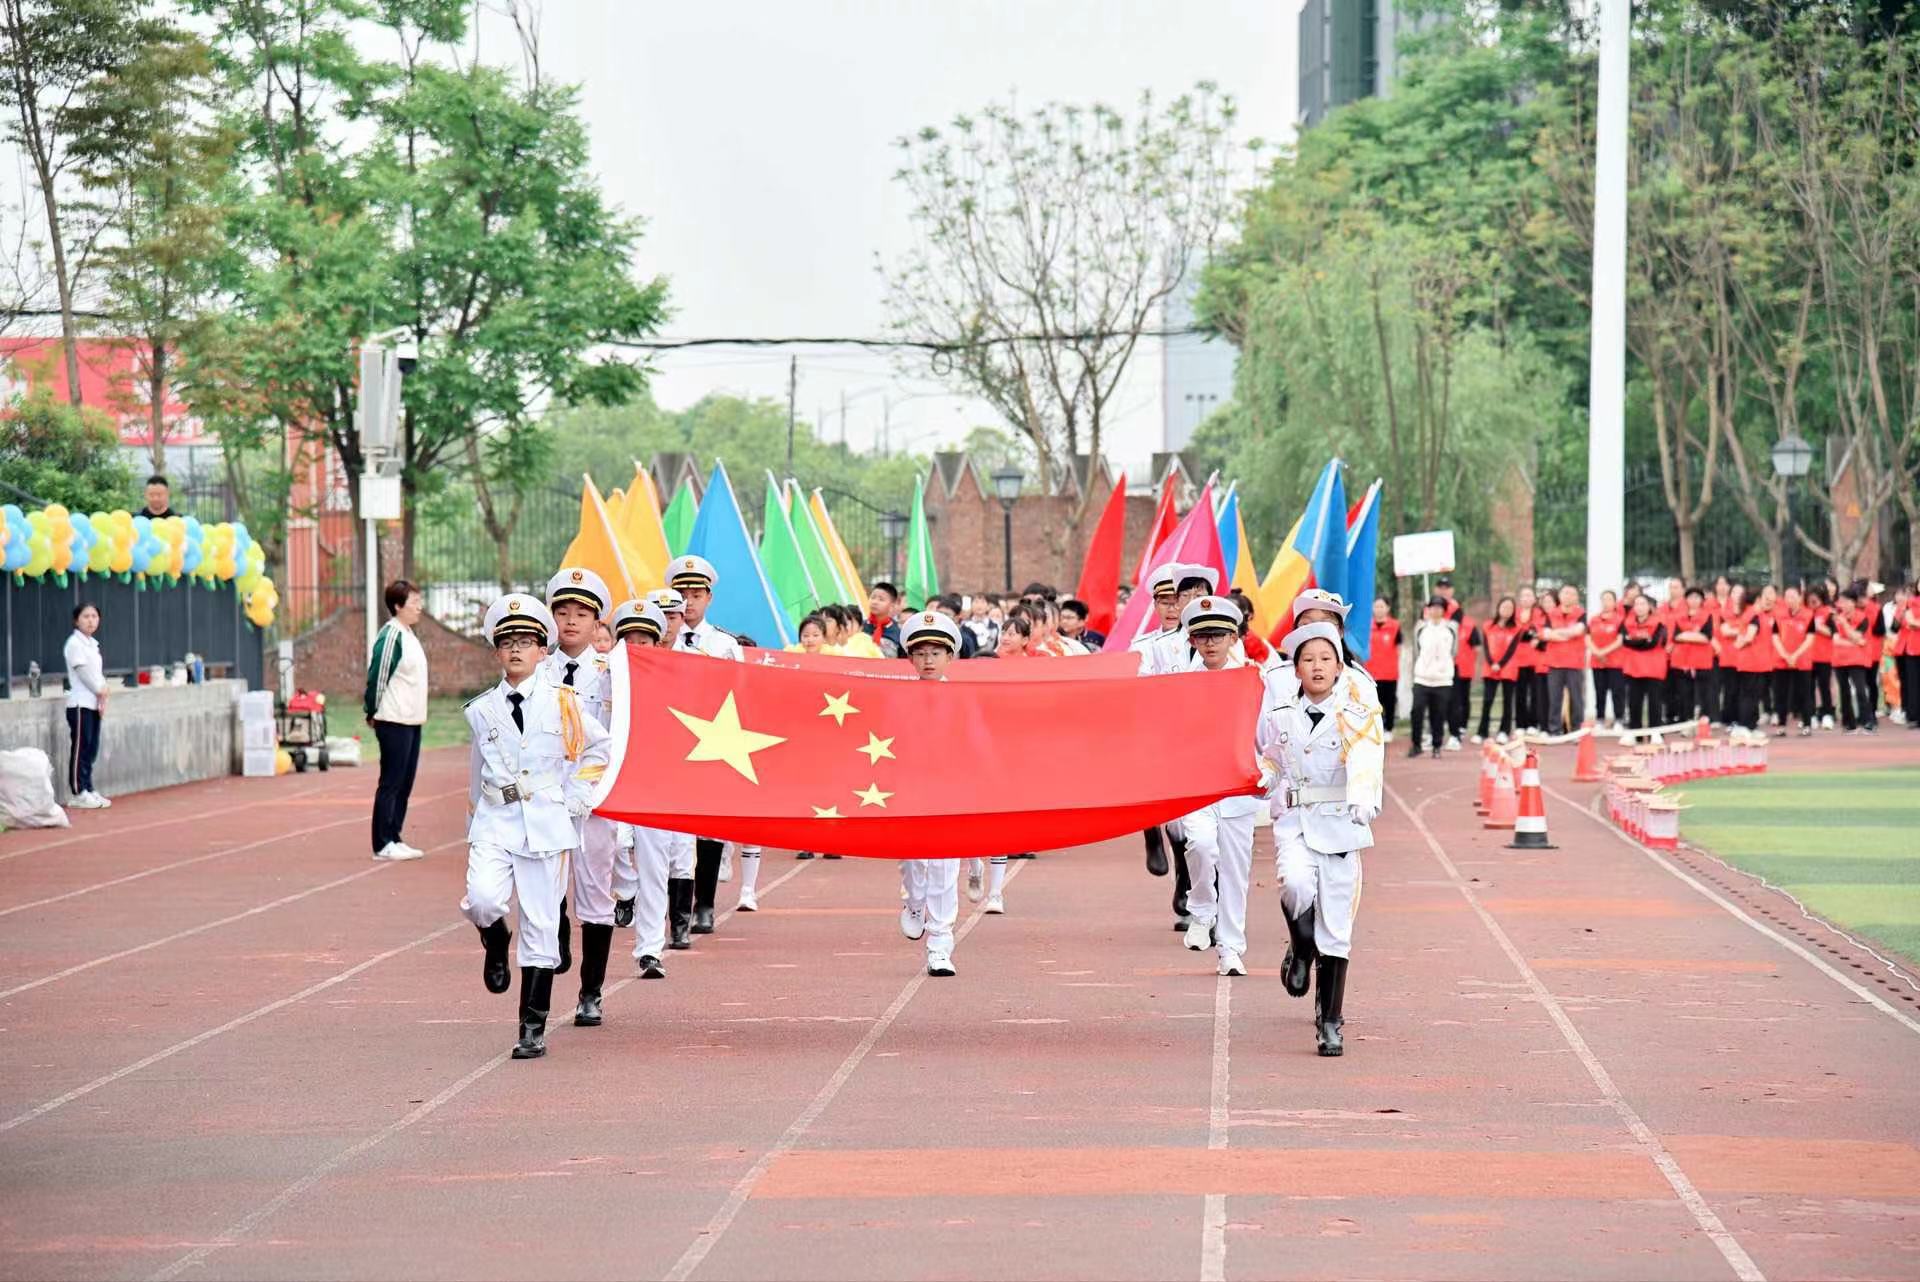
843, 417
793, 388
1606, 409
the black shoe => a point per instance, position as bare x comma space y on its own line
1156, 851
1414, 752
830, 856
1435, 754
496, 973
1296, 971
1181, 923
595, 943
680, 912
536, 993
623, 912
706, 880
566, 941
1329, 998
703, 921
803, 854
650, 968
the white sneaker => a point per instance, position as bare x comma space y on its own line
413, 851
86, 801
995, 905
976, 881
100, 801
393, 852
748, 903
1388, 737
1199, 937
1230, 963
913, 922
1453, 743
1501, 737
1826, 723
1476, 741
939, 964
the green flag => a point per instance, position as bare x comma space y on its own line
780, 558
813, 549
678, 519
923, 577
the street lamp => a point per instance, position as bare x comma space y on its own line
893, 525
1792, 456
1006, 487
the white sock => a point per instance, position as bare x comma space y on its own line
996, 877
749, 870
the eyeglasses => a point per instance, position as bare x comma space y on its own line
519, 642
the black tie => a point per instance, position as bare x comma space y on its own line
1313, 717
689, 636
514, 697
572, 664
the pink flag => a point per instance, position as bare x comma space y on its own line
1196, 541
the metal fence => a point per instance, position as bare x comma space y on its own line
1724, 541
138, 628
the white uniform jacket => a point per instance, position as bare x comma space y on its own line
592, 681
1162, 652
1283, 683
716, 643
1194, 663
524, 790
1309, 788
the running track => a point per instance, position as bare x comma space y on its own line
236, 1048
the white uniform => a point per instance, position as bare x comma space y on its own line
932, 886
1220, 861
600, 839
526, 788
1318, 835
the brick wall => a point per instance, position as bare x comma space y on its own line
333, 658
1513, 523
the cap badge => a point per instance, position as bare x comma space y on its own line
577, 576
513, 605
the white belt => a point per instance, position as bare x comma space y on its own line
1313, 794
517, 791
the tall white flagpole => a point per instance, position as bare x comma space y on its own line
1606, 427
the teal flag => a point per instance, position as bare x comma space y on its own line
923, 577
781, 558
677, 520
813, 549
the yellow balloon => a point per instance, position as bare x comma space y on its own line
121, 561
56, 511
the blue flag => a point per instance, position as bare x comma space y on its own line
1363, 545
743, 601
1322, 538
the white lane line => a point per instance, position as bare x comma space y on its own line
240, 1228
276, 839
205, 927
96, 834
1703, 1215
1807, 955
729, 1210
197, 1039
1213, 1227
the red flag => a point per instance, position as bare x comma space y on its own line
806, 760
1101, 665
1100, 576
1196, 540
1159, 532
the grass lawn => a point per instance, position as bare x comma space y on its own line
1846, 845
446, 724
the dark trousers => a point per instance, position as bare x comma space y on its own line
1746, 697
1715, 692
1680, 705
1793, 695
1430, 706
1823, 689
83, 744
1505, 689
399, 760
1182, 879
1856, 697
1643, 701
1728, 683
1609, 694
1570, 685
1389, 702
1541, 688
706, 872
1457, 710
1909, 668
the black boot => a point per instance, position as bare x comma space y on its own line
536, 995
651, 967
595, 943
680, 911
803, 854
566, 940
623, 912
1296, 971
1328, 999
1156, 851
496, 938
706, 880
1182, 882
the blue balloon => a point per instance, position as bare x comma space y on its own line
190, 556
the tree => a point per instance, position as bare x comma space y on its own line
1048, 242
61, 453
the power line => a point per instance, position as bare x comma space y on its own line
912, 344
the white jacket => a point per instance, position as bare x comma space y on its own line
86, 673
556, 762
1314, 759
1435, 648
714, 642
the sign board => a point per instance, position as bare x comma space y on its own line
1429, 552
379, 497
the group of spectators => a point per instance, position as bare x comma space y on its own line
1822, 656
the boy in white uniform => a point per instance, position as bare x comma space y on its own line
1327, 754
579, 600
1219, 836
647, 877
932, 886
534, 763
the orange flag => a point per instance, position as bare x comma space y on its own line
639, 521
597, 547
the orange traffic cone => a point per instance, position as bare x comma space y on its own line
1586, 766
1503, 808
1530, 825
1489, 769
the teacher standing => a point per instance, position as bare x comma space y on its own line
396, 705
86, 701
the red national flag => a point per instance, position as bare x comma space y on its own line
1100, 575
811, 760
1101, 665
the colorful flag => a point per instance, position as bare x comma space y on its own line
806, 760
1363, 545
597, 547
841, 557
1157, 533
1245, 578
813, 549
1196, 541
923, 576
1100, 574
677, 521
1323, 529
781, 558
743, 601
1228, 523
640, 521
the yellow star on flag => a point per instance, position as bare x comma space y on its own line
839, 707
826, 812
877, 748
873, 796
724, 739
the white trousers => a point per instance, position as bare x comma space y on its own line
1329, 884
626, 872
933, 886
680, 853
652, 854
495, 877
593, 871
1220, 862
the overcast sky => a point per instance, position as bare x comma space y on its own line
755, 138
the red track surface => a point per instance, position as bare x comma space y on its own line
235, 1047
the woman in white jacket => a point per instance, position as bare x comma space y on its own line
396, 708
86, 703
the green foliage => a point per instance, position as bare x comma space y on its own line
60, 454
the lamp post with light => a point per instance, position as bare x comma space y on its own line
894, 526
1792, 456
1006, 487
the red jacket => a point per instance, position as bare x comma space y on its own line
1744, 650
1601, 631
1383, 659
1644, 643
1855, 651
1571, 653
1790, 628
1499, 640
1467, 657
1907, 642
1691, 656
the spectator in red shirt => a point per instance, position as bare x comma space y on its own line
1609, 663
1643, 643
1745, 656
1503, 644
1383, 661
1566, 635
1906, 649
1690, 666
1531, 665
1852, 662
1793, 646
